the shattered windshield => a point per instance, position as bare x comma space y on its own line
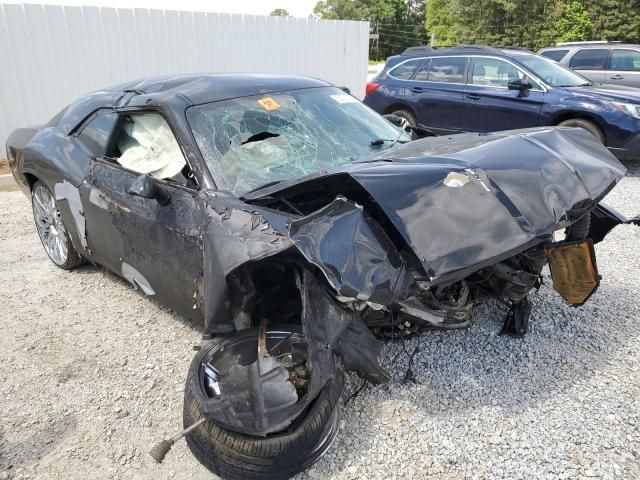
251, 142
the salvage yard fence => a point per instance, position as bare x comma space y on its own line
52, 54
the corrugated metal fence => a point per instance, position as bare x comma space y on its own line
50, 55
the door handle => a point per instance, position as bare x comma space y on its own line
416, 89
472, 96
616, 77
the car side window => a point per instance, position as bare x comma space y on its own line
96, 132
447, 69
625, 60
493, 72
555, 55
145, 144
589, 59
405, 70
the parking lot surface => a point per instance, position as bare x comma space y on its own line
92, 374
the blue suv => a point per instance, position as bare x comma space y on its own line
484, 89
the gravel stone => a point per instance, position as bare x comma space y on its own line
563, 402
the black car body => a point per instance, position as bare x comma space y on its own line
391, 240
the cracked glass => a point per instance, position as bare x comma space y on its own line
251, 142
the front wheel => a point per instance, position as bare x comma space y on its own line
588, 125
51, 229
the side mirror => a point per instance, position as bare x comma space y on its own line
146, 187
522, 85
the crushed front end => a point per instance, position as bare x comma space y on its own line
408, 242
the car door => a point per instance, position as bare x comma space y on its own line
488, 103
624, 67
156, 245
591, 63
436, 93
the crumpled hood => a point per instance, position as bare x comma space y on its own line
465, 201
462, 202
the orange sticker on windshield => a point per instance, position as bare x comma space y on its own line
269, 103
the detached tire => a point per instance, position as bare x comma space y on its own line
233, 455
588, 125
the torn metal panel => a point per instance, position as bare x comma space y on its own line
331, 326
95, 197
67, 191
353, 252
136, 279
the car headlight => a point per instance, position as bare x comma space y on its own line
630, 109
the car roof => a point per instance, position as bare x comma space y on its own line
415, 52
575, 46
194, 89
204, 88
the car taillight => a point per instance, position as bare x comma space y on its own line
371, 87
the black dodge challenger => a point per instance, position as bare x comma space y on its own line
301, 228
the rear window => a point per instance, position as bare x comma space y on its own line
589, 59
554, 54
406, 69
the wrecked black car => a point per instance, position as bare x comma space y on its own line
302, 228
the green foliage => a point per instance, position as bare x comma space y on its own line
574, 24
280, 12
399, 23
441, 22
339, 10
534, 23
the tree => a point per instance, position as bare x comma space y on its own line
616, 20
574, 24
280, 12
441, 22
339, 10
399, 23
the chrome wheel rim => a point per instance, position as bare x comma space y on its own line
49, 225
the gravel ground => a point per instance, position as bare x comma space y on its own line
91, 375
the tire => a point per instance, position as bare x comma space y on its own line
588, 125
47, 218
408, 116
233, 455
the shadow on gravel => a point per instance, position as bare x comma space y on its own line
89, 269
459, 371
38, 443
633, 167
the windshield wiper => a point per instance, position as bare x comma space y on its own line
380, 141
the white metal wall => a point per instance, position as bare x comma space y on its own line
50, 55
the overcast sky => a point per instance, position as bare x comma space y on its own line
297, 8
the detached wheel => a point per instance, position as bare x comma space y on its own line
51, 229
237, 456
408, 116
588, 125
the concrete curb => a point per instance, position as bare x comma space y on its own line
7, 183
